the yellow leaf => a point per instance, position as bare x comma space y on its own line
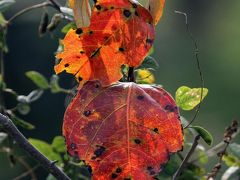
155, 8
82, 12
145, 76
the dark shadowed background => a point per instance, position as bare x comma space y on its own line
216, 26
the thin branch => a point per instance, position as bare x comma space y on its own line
228, 136
214, 150
44, 4
50, 166
56, 4
26, 173
185, 160
30, 171
198, 66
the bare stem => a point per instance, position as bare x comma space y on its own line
131, 77
228, 136
185, 160
44, 4
198, 66
50, 166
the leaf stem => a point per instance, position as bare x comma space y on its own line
198, 66
185, 160
50, 166
131, 77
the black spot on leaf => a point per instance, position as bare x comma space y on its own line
127, 13
121, 49
136, 13
73, 146
79, 31
114, 176
98, 7
149, 41
87, 113
137, 141
140, 97
170, 108
134, 5
118, 170
66, 65
80, 79
155, 130
99, 151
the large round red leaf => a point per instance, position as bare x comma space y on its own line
121, 32
123, 131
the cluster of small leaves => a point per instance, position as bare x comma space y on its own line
56, 151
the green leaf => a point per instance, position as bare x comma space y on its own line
3, 136
144, 76
23, 108
202, 156
149, 62
38, 79
235, 149
207, 137
45, 149
2, 20
69, 26
3, 32
54, 85
231, 160
2, 83
4, 4
51, 177
58, 144
187, 98
19, 122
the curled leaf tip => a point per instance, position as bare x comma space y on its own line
155, 8
82, 12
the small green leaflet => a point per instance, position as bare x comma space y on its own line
187, 98
38, 79
207, 137
46, 149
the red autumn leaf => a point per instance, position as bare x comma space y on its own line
123, 131
120, 33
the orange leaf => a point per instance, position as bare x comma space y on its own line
124, 130
120, 33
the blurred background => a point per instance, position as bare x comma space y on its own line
216, 26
